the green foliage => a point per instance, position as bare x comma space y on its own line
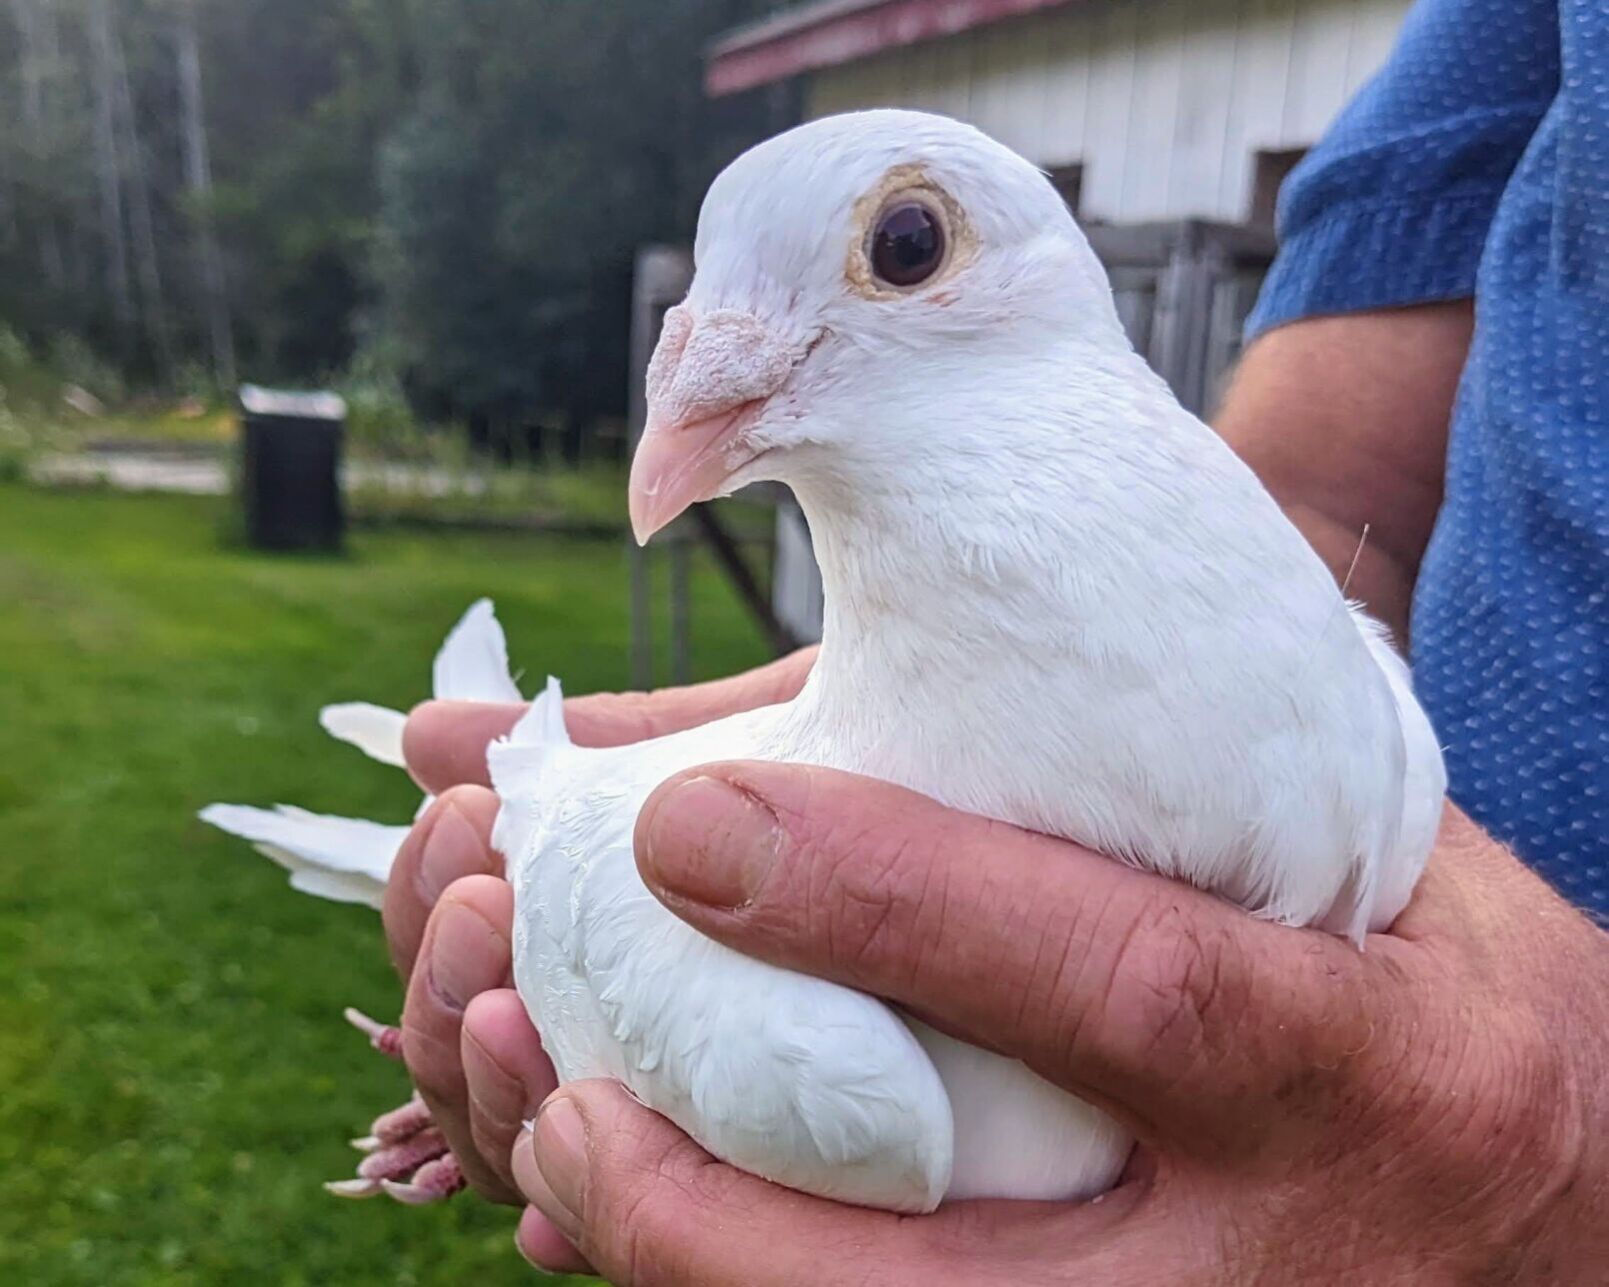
177, 1078
457, 187
29, 391
71, 360
16, 446
546, 143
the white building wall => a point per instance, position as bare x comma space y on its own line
1165, 103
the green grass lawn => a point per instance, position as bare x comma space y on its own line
175, 1079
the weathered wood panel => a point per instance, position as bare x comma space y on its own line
1164, 102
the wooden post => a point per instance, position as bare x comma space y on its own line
681, 612
661, 279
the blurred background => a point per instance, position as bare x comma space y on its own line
466, 218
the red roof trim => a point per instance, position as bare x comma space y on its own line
833, 32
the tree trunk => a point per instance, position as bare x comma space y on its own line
108, 173
26, 17
12, 183
150, 270
198, 181
36, 28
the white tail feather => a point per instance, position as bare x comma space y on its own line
343, 858
335, 886
347, 859
472, 665
516, 761
374, 730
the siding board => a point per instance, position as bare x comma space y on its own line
1318, 70
1201, 148
1153, 109
1165, 103
1113, 39
1065, 93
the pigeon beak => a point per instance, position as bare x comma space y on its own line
708, 382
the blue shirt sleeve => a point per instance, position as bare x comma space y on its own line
1393, 206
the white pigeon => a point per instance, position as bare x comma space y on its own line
1053, 597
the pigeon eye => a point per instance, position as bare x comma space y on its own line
907, 245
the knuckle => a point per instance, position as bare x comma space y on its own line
619, 717
432, 1059
481, 894
1509, 1095
879, 891
1049, 994
421, 731
403, 880
642, 1197
1495, 1120
1171, 993
465, 798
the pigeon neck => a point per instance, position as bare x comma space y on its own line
911, 595
987, 536
1034, 519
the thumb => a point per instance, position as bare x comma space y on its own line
645, 1204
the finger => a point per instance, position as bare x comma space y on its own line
466, 951
1146, 995
540, 1241
445, 743
452, 840
506, 1072
644, 1204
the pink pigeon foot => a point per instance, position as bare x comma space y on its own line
404, 1155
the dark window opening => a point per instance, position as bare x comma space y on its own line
1272, 169
1068, 180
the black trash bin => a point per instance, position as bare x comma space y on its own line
290, 468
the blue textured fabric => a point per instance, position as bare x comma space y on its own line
1477, 163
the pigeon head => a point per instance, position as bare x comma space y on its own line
854, 276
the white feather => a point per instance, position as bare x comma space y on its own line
343, 859
374, 730
801, 1081
472, 665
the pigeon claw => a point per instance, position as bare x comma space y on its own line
404, 1155
398, 1125
382, 1036
436, 1181
353, 1188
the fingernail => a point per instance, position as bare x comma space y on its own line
543, 1245
462, 945
520, 1239
536, 1191
709, 842
453, 849
561, 1162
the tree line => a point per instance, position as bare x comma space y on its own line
445, 195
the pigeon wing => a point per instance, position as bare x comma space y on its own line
806, 1083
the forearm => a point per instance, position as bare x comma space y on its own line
1345, 421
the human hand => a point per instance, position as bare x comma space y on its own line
1431, 1110
448, 912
